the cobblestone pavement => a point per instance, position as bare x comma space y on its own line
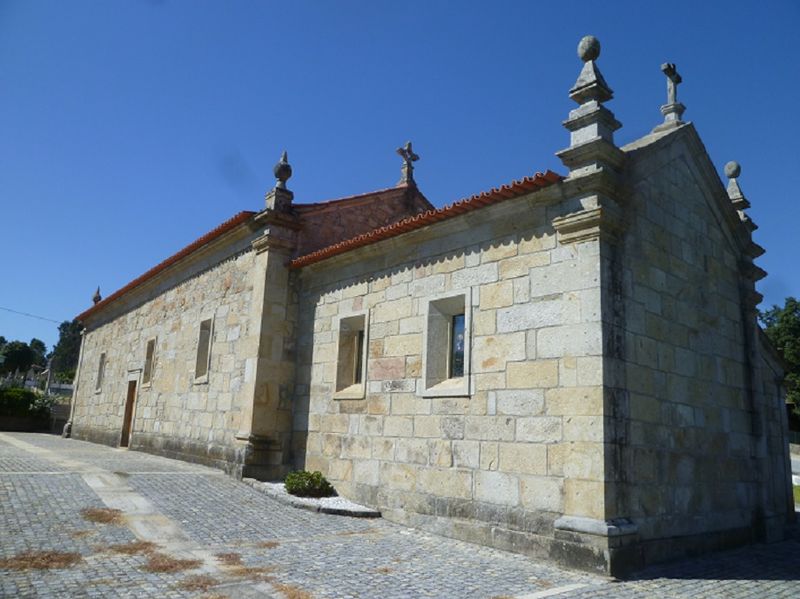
245, 544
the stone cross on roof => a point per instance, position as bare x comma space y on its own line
673, 79
672, 110
409, 157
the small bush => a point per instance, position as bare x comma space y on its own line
308, 484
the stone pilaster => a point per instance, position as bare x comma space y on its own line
594, 215
266, 425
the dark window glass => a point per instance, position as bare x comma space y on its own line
203, 346
457, 346
359, 352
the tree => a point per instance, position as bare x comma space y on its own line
65, 353
19, 356
782, 326
39, 350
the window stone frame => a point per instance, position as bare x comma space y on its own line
439, 310
353, 390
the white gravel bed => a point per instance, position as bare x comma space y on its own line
327, 505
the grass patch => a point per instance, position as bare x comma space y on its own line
134, 547
81, 534
102, 515
796, 490
230, 559
160, 562
291, 592
253, 573
201, 582
268, 544
40, 560
384, 570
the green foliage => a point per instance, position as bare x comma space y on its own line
66, 376
39, 350
21, 403
19, 356
308, 484
782, 326
65, 353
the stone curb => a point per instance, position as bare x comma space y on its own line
347, 508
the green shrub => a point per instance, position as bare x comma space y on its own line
308, 484
21, 403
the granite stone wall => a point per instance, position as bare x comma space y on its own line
175, 414
694, 462
496, 464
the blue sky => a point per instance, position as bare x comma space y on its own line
130, 128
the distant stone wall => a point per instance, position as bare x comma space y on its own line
498, 464
175, 414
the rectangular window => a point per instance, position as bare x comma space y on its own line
457, 346
101, 370
446, 350
203, 349
149, 358
351, 357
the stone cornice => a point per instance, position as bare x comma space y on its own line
596, 150
604, 221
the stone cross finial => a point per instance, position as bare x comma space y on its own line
673, 79
409, 158
672, 110
96, 298
282, 171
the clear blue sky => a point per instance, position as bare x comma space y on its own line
130, 128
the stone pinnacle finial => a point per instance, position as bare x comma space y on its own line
588, 48
409, 158
96, 298
732, 171
282, 171
590, 84
672, 110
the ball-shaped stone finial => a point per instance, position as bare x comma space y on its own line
732, 169
588, 48
282, 171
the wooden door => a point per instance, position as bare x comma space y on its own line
128, 419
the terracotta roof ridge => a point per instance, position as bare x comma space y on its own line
218, 231
400, 187
495, 195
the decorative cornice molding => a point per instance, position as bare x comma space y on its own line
605, 221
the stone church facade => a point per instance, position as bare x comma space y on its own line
565, 366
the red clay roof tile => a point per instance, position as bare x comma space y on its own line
195, 245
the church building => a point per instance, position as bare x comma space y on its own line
567, 366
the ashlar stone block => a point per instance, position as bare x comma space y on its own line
524, 458
532, 374
539, 429
496, 487
490, 353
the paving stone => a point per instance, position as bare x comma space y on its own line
327, 556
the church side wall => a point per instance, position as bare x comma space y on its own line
691, 464
175, 414
497, 465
